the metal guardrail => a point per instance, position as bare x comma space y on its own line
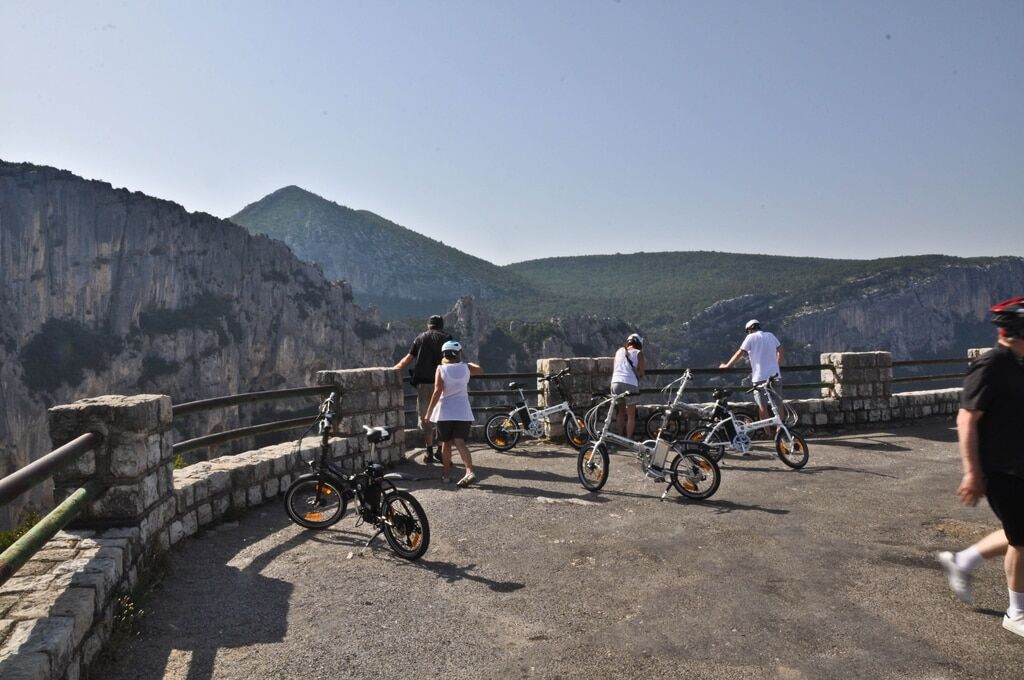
20, 481
248, 398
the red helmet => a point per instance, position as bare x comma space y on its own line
1008, 315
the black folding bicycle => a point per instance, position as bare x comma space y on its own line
318, 499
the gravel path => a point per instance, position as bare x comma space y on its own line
823, 573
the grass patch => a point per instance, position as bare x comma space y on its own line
7, 538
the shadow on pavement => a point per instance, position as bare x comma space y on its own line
210, 605
452, 572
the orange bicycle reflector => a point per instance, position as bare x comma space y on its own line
315, 516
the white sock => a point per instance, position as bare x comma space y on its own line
968, 559
1016, 607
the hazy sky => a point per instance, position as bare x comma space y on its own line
519, 130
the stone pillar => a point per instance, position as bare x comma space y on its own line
862, 383
134, 462
588, 375
373, 397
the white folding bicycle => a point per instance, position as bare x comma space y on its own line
685, 465
790, 445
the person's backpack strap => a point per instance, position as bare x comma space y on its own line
632, 366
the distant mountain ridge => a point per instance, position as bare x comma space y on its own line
691, 304
404, 273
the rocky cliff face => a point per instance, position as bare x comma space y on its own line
939, 315
109, 291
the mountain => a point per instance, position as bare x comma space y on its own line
695, 303
405, 274
692, 305
107, 291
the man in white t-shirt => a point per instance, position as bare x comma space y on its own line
765, 353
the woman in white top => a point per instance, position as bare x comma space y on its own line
629, 367
449, 408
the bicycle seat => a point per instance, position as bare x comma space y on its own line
375, 470
515, 385
720, 394
375, 435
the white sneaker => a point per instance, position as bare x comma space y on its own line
467, 480
959, 579
1014, 625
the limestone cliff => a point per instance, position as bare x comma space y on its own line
109, 291
940, 314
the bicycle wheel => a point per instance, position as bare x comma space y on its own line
405, 525
575, 431
694, 474
501, 432
663, 422
592, 466
716, 444
313, 503
793, 453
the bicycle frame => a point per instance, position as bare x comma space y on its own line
741, 441
525, 415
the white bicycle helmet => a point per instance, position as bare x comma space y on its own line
451, 347
753, 324
636, 339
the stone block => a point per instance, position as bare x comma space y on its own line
83, 468
53, 636
238, 499
271, 487
220, 505
129, 459
24, 665
26, 584
204, 514
255, 495
218, 481
146, 413
176, 532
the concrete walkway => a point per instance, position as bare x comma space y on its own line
823, 573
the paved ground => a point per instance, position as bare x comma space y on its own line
824, 573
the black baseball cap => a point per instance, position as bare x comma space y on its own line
436, 321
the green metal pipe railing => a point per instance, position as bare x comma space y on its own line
22, 550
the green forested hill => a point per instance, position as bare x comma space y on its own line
659, 288
405, 273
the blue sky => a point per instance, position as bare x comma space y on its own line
529, 129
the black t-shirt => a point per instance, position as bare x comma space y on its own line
426, 349
995, 386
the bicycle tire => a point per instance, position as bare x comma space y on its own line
575, 431
660, 420
314, 503
795, 454
501, 432
695, 475
404, 524
592, 466
716, 447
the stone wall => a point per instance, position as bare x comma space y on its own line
58, 611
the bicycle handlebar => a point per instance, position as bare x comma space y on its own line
555, 376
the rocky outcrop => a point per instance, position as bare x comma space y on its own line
937, 315
108, 291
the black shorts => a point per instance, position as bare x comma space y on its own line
1005, 495
448, 430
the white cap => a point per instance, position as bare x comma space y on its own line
751, 323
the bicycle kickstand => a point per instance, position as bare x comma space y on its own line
369, 541
665, 492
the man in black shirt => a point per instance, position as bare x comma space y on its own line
426, 353
992, 451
